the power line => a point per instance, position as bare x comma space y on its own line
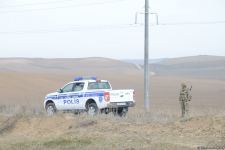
185, 23
34, 4
73, 29
103, 27
62, 7
192, 23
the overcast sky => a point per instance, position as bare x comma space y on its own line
105, 28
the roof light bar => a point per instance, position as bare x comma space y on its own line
84, 78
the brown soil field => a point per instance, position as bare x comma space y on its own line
24, 125
29, 89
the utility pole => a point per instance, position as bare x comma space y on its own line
146, 59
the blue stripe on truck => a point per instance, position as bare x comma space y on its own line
76, 95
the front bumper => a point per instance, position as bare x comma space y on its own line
120, 104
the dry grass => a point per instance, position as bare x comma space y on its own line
138, 130
8, 124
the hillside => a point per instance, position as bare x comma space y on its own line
27, 81
200, 59
212, 67
25, 126
61, 65
31, 79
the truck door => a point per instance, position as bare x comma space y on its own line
78, 95
65, 99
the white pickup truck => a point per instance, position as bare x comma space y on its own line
91, 95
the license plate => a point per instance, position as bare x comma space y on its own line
120, 104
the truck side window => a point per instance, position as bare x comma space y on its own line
98, 85
68, 88
78, 86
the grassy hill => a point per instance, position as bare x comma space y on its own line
61, 65
212, 67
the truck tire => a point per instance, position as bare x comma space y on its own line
122, 111
50, 109
92, 109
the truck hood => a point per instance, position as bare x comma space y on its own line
51, 95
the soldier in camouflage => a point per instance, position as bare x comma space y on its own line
185, 98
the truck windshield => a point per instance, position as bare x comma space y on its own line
98, 85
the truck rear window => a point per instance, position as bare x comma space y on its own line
98, 85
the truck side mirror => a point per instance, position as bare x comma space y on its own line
59, 90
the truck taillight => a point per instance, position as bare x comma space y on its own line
107, 96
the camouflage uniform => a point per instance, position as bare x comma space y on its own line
184, 99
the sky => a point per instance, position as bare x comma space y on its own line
106, 28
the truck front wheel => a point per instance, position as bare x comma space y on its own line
50, 109
92, 109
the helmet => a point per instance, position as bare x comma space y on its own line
183, 85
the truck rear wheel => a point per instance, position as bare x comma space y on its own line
122, 111
92, 109
50, 109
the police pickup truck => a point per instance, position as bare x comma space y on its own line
90, 95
